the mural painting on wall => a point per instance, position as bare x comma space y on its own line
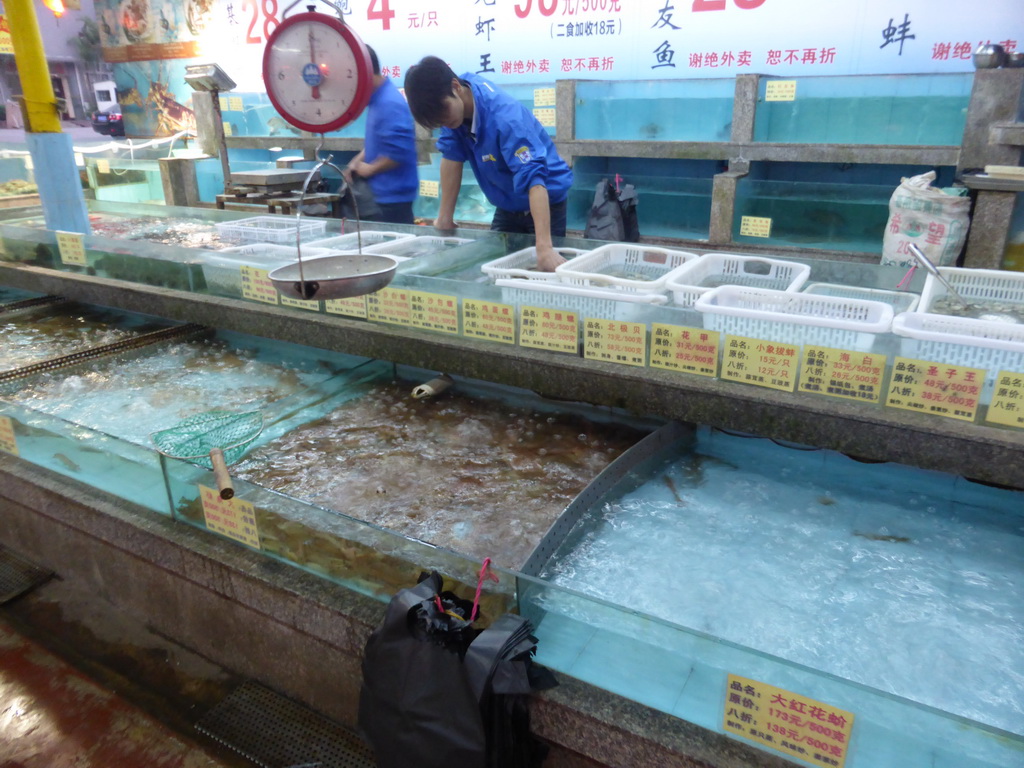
540, 41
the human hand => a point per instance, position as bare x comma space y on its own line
444, 223
548, 258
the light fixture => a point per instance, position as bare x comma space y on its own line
208, 77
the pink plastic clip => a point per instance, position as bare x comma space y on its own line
906, 278
618, 180
485, 573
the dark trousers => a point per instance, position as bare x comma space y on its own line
395, 213
521, 222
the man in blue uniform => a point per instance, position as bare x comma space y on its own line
514, 159
388, 159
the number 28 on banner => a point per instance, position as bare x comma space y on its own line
573, 7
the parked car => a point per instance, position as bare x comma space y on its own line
108, 122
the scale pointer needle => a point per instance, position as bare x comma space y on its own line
312, 59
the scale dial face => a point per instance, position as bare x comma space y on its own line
317, 72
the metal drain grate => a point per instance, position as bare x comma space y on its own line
18, 576
276, 732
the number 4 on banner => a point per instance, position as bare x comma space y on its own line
385, 14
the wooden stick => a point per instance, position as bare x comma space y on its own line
220, 473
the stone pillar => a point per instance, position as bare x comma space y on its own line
178, 176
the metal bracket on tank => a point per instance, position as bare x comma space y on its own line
649, 446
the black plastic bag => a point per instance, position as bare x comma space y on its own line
613, 215
358, 200
438, 693
416, 706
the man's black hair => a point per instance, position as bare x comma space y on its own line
374, 61
426, 86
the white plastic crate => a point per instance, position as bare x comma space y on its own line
223, 269
351, 240
714, 269
586, 301
624, 266
980, 285
794, 318
962, 341
416, 246
271, 229
900, 301
523, 265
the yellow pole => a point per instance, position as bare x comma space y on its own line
40, 104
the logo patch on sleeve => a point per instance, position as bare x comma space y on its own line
523, 153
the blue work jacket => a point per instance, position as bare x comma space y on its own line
390, 132
510, 152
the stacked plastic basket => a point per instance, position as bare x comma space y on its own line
988, 333
593, 283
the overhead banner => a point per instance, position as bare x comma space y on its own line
540, 41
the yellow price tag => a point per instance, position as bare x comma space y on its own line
755, 226
690, 350
430, 188
353, 307
842, 373
103, 165
72, 248
223, 101
233, 518
227, 128
256, 285
389, 305
434, 311
804, 728
1007, 407
543, 97
489, 321
556, 330
615, 342
780, 90
946, 390
309, 306
768, 364
8, 442
235, 103
545, 116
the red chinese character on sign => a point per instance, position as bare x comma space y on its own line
774, 57
940, 51
827, 56
962, 50
696, 60
745, 59
895, 223
810, 56
936, 232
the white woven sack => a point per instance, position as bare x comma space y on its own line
920, 213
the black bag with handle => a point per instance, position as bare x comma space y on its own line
438, 693
613, 215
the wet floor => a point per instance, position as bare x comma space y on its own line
65, 703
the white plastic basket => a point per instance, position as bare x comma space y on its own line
523, 265
416, 246
794, 318
624, 266
714, 269
900, 301
351, 240
962, 341
981, 285
223, 269
586, 301
271, 229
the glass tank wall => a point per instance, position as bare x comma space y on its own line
698, 524
674, 196
472, 205
655, 110
865, 109
821, 205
